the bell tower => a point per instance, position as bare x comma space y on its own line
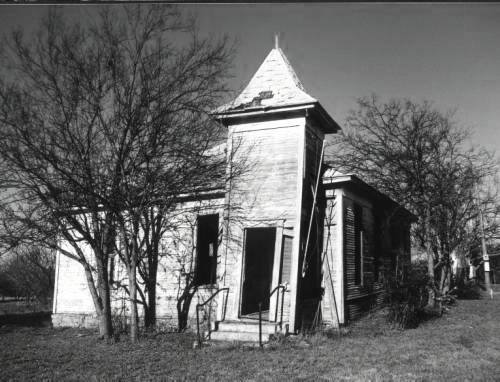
275, 137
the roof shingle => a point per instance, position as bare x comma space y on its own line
275, 84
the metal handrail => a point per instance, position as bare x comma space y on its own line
198, 306
278, 287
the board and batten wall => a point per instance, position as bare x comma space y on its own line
359, 296
385, 242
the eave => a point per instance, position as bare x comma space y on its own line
344, 180
313, 109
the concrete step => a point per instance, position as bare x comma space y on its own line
247, 326
243, 330
238, 336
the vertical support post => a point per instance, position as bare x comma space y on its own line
56, 283
315, 193
276, 277
209, 318
281, 313
277, 304
260, 324
486, 258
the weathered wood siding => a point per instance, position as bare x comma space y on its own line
71, 293
179, 260
73, 304
264, 195
264, 160
333, 260
385, 247
361, 296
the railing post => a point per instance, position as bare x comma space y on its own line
209, 313
260, 324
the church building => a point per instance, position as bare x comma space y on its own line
288, 239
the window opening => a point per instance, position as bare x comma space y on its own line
206, 249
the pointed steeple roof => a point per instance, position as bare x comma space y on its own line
275, 84
275, 88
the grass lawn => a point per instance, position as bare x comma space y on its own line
464, 344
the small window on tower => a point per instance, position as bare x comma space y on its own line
206, 249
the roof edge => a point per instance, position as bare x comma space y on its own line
338, 180
328, 123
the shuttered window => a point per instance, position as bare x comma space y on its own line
358, 244
377, 246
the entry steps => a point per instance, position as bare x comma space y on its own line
246, 330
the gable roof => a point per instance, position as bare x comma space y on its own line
275, 84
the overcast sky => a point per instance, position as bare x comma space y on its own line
447, 53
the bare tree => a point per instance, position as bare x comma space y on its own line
170, 137
419, 157
103, 124
29, 272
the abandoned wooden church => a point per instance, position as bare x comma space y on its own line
290, 237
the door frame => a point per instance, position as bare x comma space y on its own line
275, 275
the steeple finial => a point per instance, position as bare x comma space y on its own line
276, 41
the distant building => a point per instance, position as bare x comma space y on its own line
255, 232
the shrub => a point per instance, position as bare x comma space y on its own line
468, 290
406, 298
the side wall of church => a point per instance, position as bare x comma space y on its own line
73, 304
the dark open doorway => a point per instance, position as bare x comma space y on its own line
258, 269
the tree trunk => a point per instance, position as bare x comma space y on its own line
183, 305
444, 283
430, 271
102, 305
431, 302
105, 321
132, 278
150, 308
152, 272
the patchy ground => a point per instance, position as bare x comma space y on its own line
462, 345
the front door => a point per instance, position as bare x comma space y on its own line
258, 269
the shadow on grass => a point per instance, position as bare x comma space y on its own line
34, 319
